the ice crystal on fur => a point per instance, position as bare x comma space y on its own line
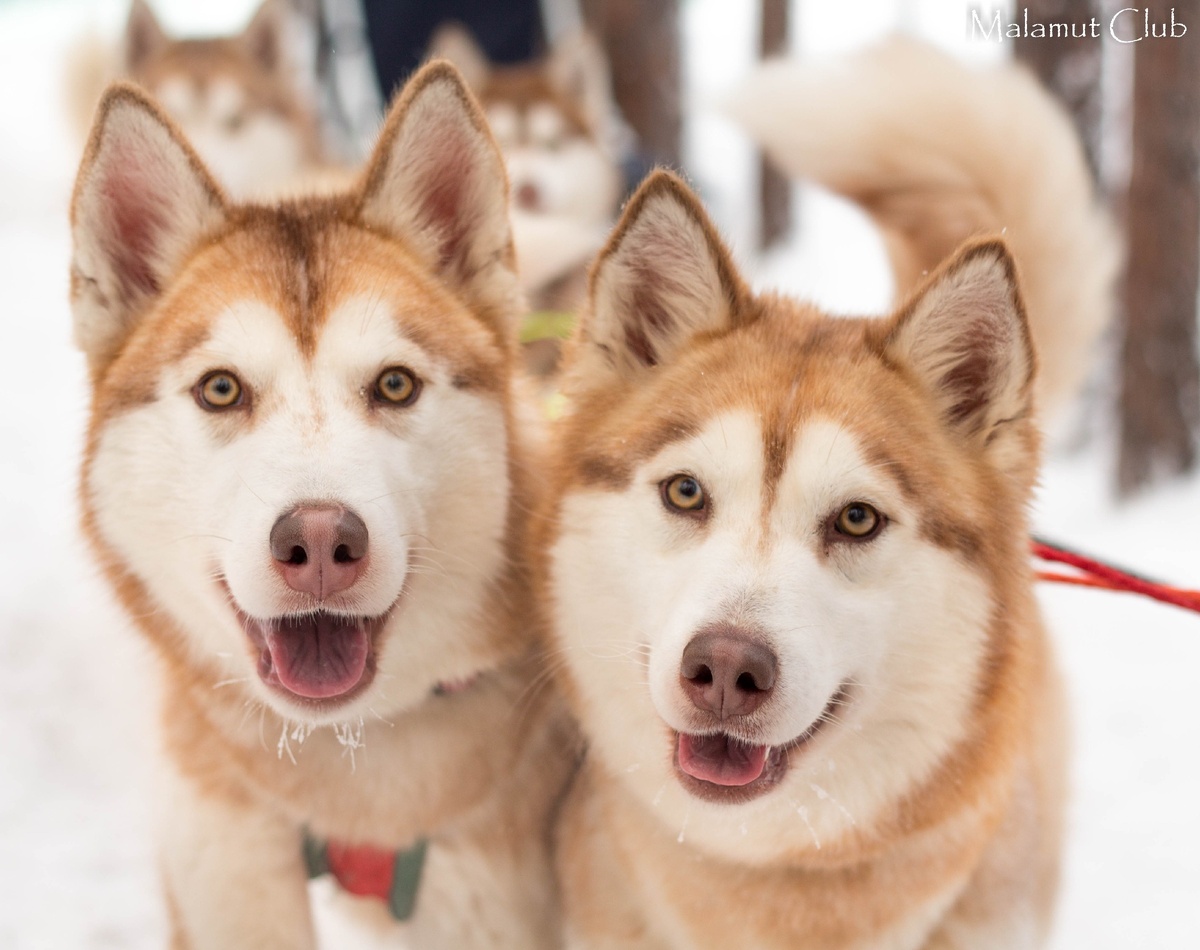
803, 813
350, 737
292, 732
823, 795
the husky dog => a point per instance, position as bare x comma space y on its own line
784, 560
935, 152
305, 480
240, 99
560, 132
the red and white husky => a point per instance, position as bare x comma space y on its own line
305, 481
784, 561
241, 99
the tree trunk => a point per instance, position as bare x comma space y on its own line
1160, 385
774, 190
1070, 66
642, 42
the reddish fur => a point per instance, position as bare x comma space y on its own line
624, 872
493, 776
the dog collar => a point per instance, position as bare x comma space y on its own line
391, 876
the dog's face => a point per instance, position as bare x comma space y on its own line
780, 542
550, 120
235, 98
300, 436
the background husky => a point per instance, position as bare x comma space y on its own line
560, 133
936, 152
304, 480
785, 562
239, 99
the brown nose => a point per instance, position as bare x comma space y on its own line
527, 196
727, 672
319, 549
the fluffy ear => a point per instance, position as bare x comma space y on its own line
579, 70
142, 201
263, 36
663, 279
437, 181
966, 337
143, 36
453, 42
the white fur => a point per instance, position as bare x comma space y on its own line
180, 507
899, 619
572, 177
216, 857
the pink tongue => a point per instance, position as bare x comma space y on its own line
317, 657
721, 759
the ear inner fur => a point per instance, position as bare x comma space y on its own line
437, 181
142, 200
966, 334
663, 278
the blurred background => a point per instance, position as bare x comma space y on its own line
291, 96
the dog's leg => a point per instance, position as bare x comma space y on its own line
601, 908
234, 872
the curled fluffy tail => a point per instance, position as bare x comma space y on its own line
937, 152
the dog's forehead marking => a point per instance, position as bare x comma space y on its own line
178, 95
772, 476
225, 97
545, 122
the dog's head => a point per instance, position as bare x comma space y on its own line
299, 453
238, 99
784, 558
554, 120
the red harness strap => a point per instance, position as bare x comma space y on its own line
1094, 573
361, 869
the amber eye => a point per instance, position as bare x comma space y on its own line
858, 520
683, 493
218, 390
397, 386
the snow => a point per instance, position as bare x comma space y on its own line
78, 866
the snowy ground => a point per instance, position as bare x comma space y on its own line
77, 867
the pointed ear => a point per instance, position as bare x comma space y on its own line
142, 201
143, 36
578, 68
966, 337
453, 42
437, 181
663, 279
263, 36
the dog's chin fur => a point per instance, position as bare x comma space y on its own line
388, 733
898, 776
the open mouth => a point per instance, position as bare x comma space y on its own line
316, 657
720, 767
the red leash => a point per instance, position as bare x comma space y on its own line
1094, 573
